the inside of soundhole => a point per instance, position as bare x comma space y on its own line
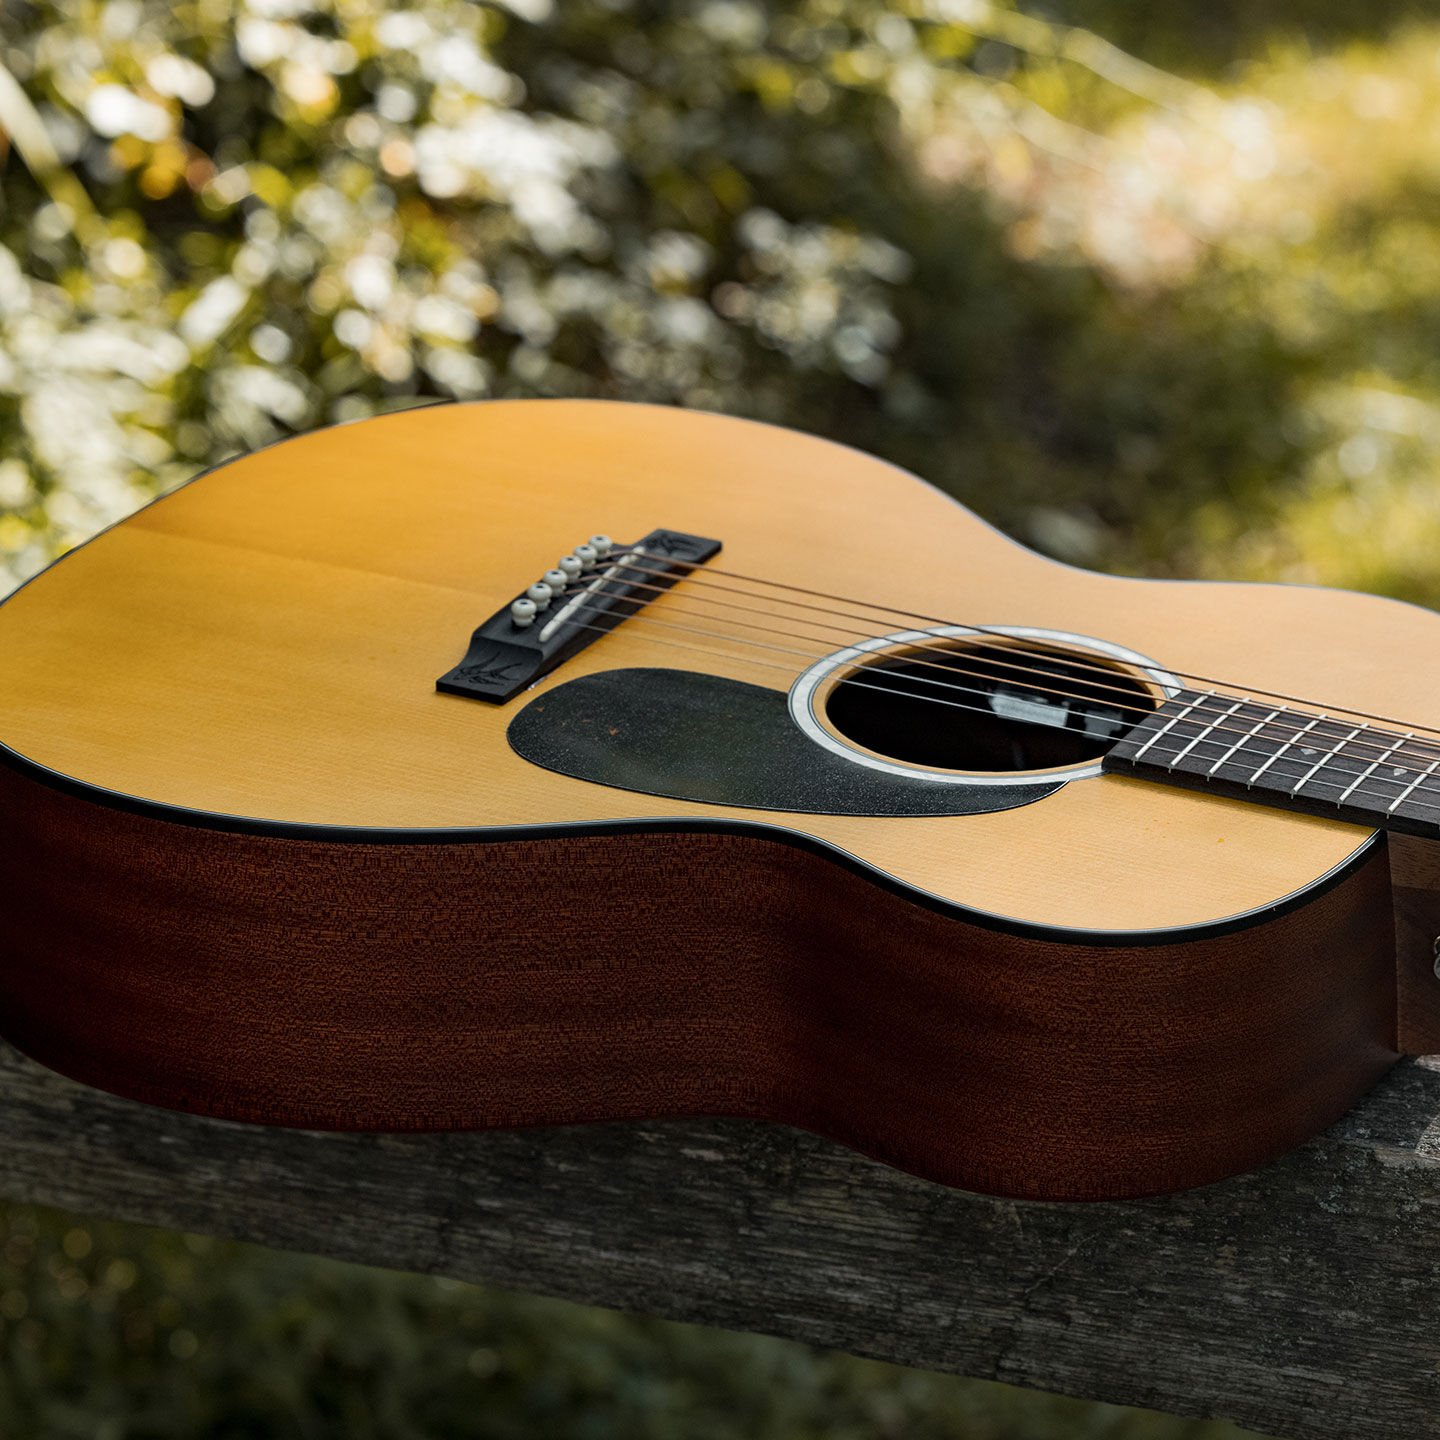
1035, 707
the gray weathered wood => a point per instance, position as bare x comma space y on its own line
1299, 1300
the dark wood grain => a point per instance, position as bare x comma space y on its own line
1415, 882
424, 986
1298, 1299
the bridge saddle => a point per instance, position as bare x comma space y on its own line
587, 594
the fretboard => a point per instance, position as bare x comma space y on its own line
1338, 766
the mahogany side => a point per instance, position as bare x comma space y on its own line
1415, 881
510, 981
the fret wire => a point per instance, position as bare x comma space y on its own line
1174, 733
1173, 721
1249, 784
1427, 781
1425, 750
1280, 758
1423, 754
1431, 773
1414, 784
1205, 733
1373, 766
1248, 735
1332, 754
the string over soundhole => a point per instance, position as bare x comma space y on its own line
964, 706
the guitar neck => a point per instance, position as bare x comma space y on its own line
1295, 758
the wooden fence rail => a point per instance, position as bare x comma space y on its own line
1300, 1300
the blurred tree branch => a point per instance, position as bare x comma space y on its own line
22, 123
1051, 40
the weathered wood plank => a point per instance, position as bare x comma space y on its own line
1300, 1300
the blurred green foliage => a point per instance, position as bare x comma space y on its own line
1155, 288
110, 1331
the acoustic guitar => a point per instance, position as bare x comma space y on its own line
545, 761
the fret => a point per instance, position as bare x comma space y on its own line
1413, 785
1332, 754
1404, 779
1205, 733
1248, 735
1426, 798
1401, 778
1284, 746
1172, 722
1338, 768
1373, 766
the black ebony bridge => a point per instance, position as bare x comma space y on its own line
1342, 767
589, 592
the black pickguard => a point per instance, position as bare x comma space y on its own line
692, 736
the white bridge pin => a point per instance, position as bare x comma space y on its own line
587, 555
601, 544
541, 593
557, 580
571, 565
522, 612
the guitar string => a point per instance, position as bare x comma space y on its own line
980, 710
1079, 661
1425, 750
1063, 660
988, 652
917, 679
1310, 705
1355, 776
1248, 733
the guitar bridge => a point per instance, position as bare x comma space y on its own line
592, 592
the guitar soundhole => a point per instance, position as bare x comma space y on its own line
985, 705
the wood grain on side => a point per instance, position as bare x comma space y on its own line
1415, 881
427, 986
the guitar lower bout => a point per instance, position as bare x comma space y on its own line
425, 986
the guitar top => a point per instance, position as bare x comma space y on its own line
544, 761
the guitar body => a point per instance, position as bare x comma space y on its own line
260, 868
